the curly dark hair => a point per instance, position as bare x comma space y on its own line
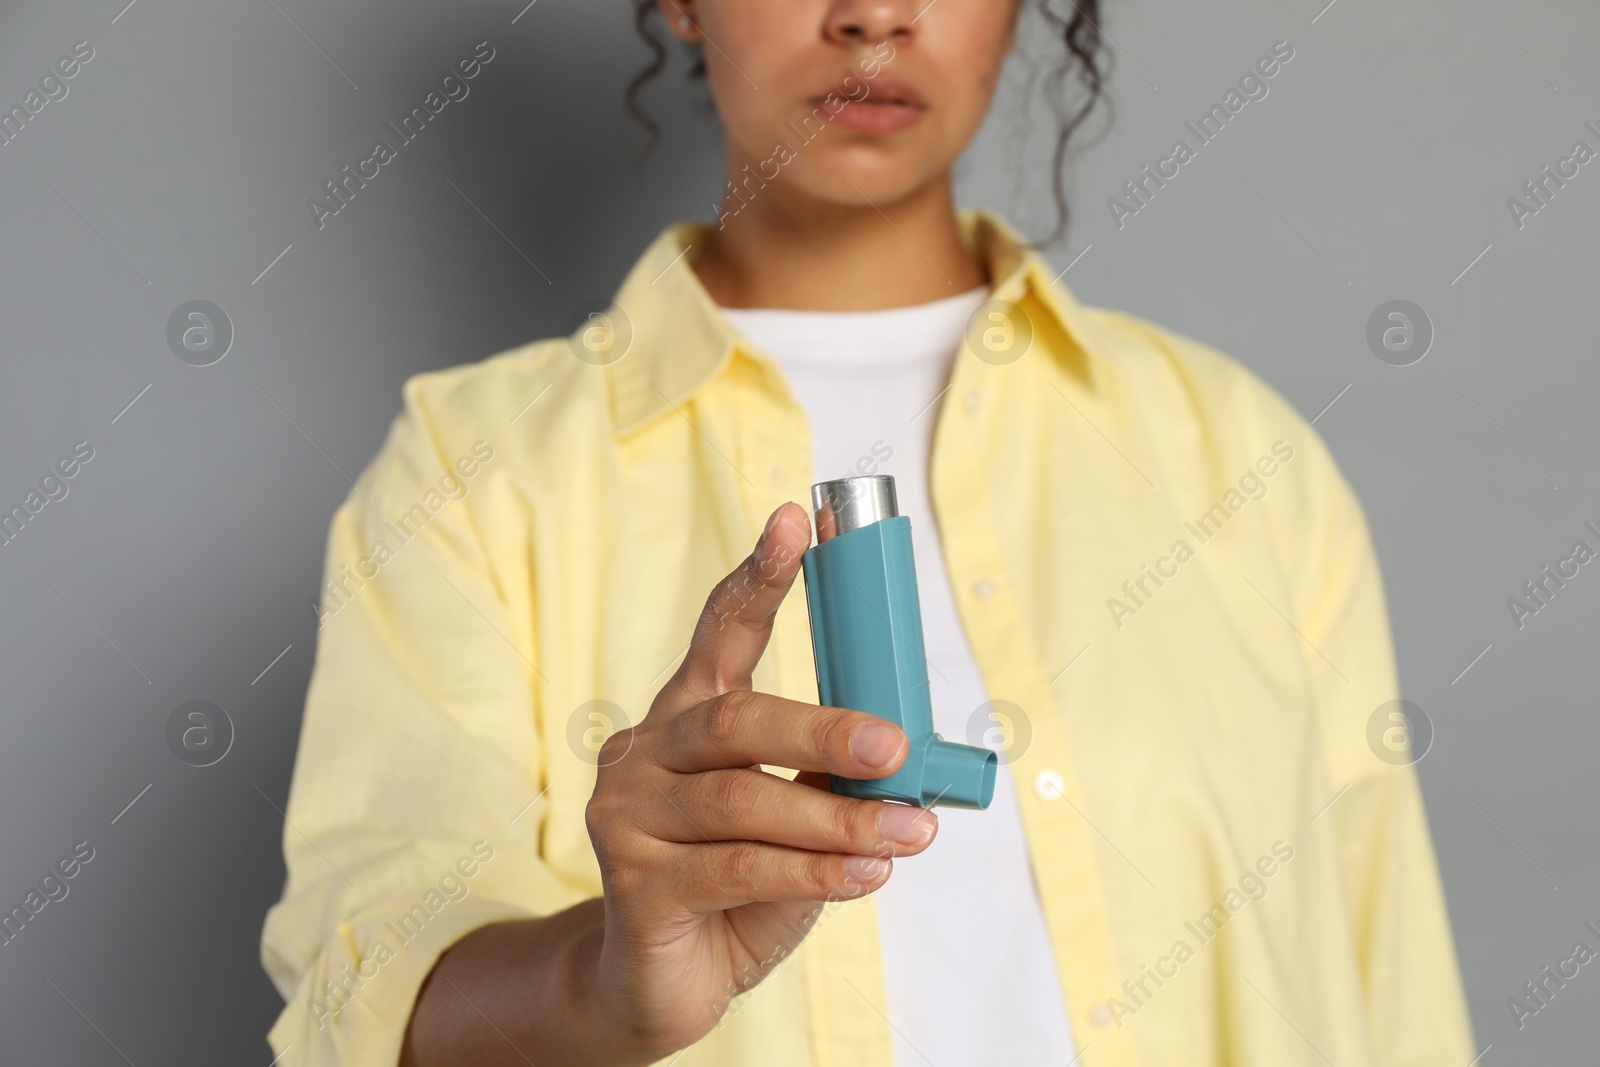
1086, 57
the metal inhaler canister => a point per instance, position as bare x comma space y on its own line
866, 631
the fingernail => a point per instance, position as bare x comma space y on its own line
906, 825
798, 524
865, 869
875, 744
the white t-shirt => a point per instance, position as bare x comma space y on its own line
968, 969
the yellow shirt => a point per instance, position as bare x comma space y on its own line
1154, 558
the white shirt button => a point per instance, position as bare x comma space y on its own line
983, 589
1100, 1015
1049, 785
972, 400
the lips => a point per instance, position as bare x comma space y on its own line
884, 89
888, 105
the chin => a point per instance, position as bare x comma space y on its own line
849, 178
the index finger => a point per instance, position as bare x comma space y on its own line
736, 622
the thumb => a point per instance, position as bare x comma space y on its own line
736, 623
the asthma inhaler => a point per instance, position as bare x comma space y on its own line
866, 631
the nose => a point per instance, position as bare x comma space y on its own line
857, 22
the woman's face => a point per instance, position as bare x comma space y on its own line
847, 99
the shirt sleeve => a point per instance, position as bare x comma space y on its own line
413, 816
1415, 1007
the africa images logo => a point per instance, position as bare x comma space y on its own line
453, 87
1209, 524
340, 589
1252, 85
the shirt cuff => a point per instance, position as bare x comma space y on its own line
352, 1007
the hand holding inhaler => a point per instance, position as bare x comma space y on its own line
713, 869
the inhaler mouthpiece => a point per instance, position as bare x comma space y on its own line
866, 632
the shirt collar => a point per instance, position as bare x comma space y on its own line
679, 339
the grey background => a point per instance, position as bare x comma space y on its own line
184, 556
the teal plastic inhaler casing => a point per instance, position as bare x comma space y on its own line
866, 633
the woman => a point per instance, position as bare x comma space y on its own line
538, 814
